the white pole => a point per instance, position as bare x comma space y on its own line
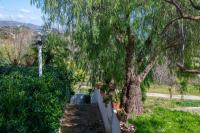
40, 59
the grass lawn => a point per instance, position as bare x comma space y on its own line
158, 118
191, 90
162, 120
151, 103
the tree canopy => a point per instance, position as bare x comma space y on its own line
123, 39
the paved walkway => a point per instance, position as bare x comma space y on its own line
188, 97
82, 119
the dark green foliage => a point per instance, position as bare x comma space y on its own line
188, 103
29, 104
55, 49
86, 99
183, 85
166, 121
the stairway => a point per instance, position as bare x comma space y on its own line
84, 118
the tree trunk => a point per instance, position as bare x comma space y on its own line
131, 94
131, 99
134, 97
129, 69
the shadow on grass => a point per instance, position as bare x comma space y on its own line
188, 103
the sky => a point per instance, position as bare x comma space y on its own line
21, 11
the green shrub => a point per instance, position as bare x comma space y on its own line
167, 121
29, 104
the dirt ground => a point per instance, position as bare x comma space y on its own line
82, 119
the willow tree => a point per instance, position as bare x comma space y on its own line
124, 35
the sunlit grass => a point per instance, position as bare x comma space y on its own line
159, 118
162, 120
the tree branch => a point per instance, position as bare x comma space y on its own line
197, 7
181, 13
171, 46
173, 2
196, 18
183, 69
170, 23
147, 69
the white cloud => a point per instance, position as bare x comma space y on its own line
20, 16
2, 16
25, 11
33, 18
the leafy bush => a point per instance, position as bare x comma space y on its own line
29, 104
167, 121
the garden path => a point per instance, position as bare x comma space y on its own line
83, 118
189, 97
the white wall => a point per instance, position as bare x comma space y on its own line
111, 122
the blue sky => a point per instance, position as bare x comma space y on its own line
21, 11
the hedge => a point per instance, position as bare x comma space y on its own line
29, 104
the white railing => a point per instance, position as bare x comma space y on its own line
110, 120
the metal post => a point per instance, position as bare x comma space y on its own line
40, 60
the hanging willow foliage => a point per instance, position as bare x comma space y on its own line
123, 39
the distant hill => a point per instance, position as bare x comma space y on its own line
35, 28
